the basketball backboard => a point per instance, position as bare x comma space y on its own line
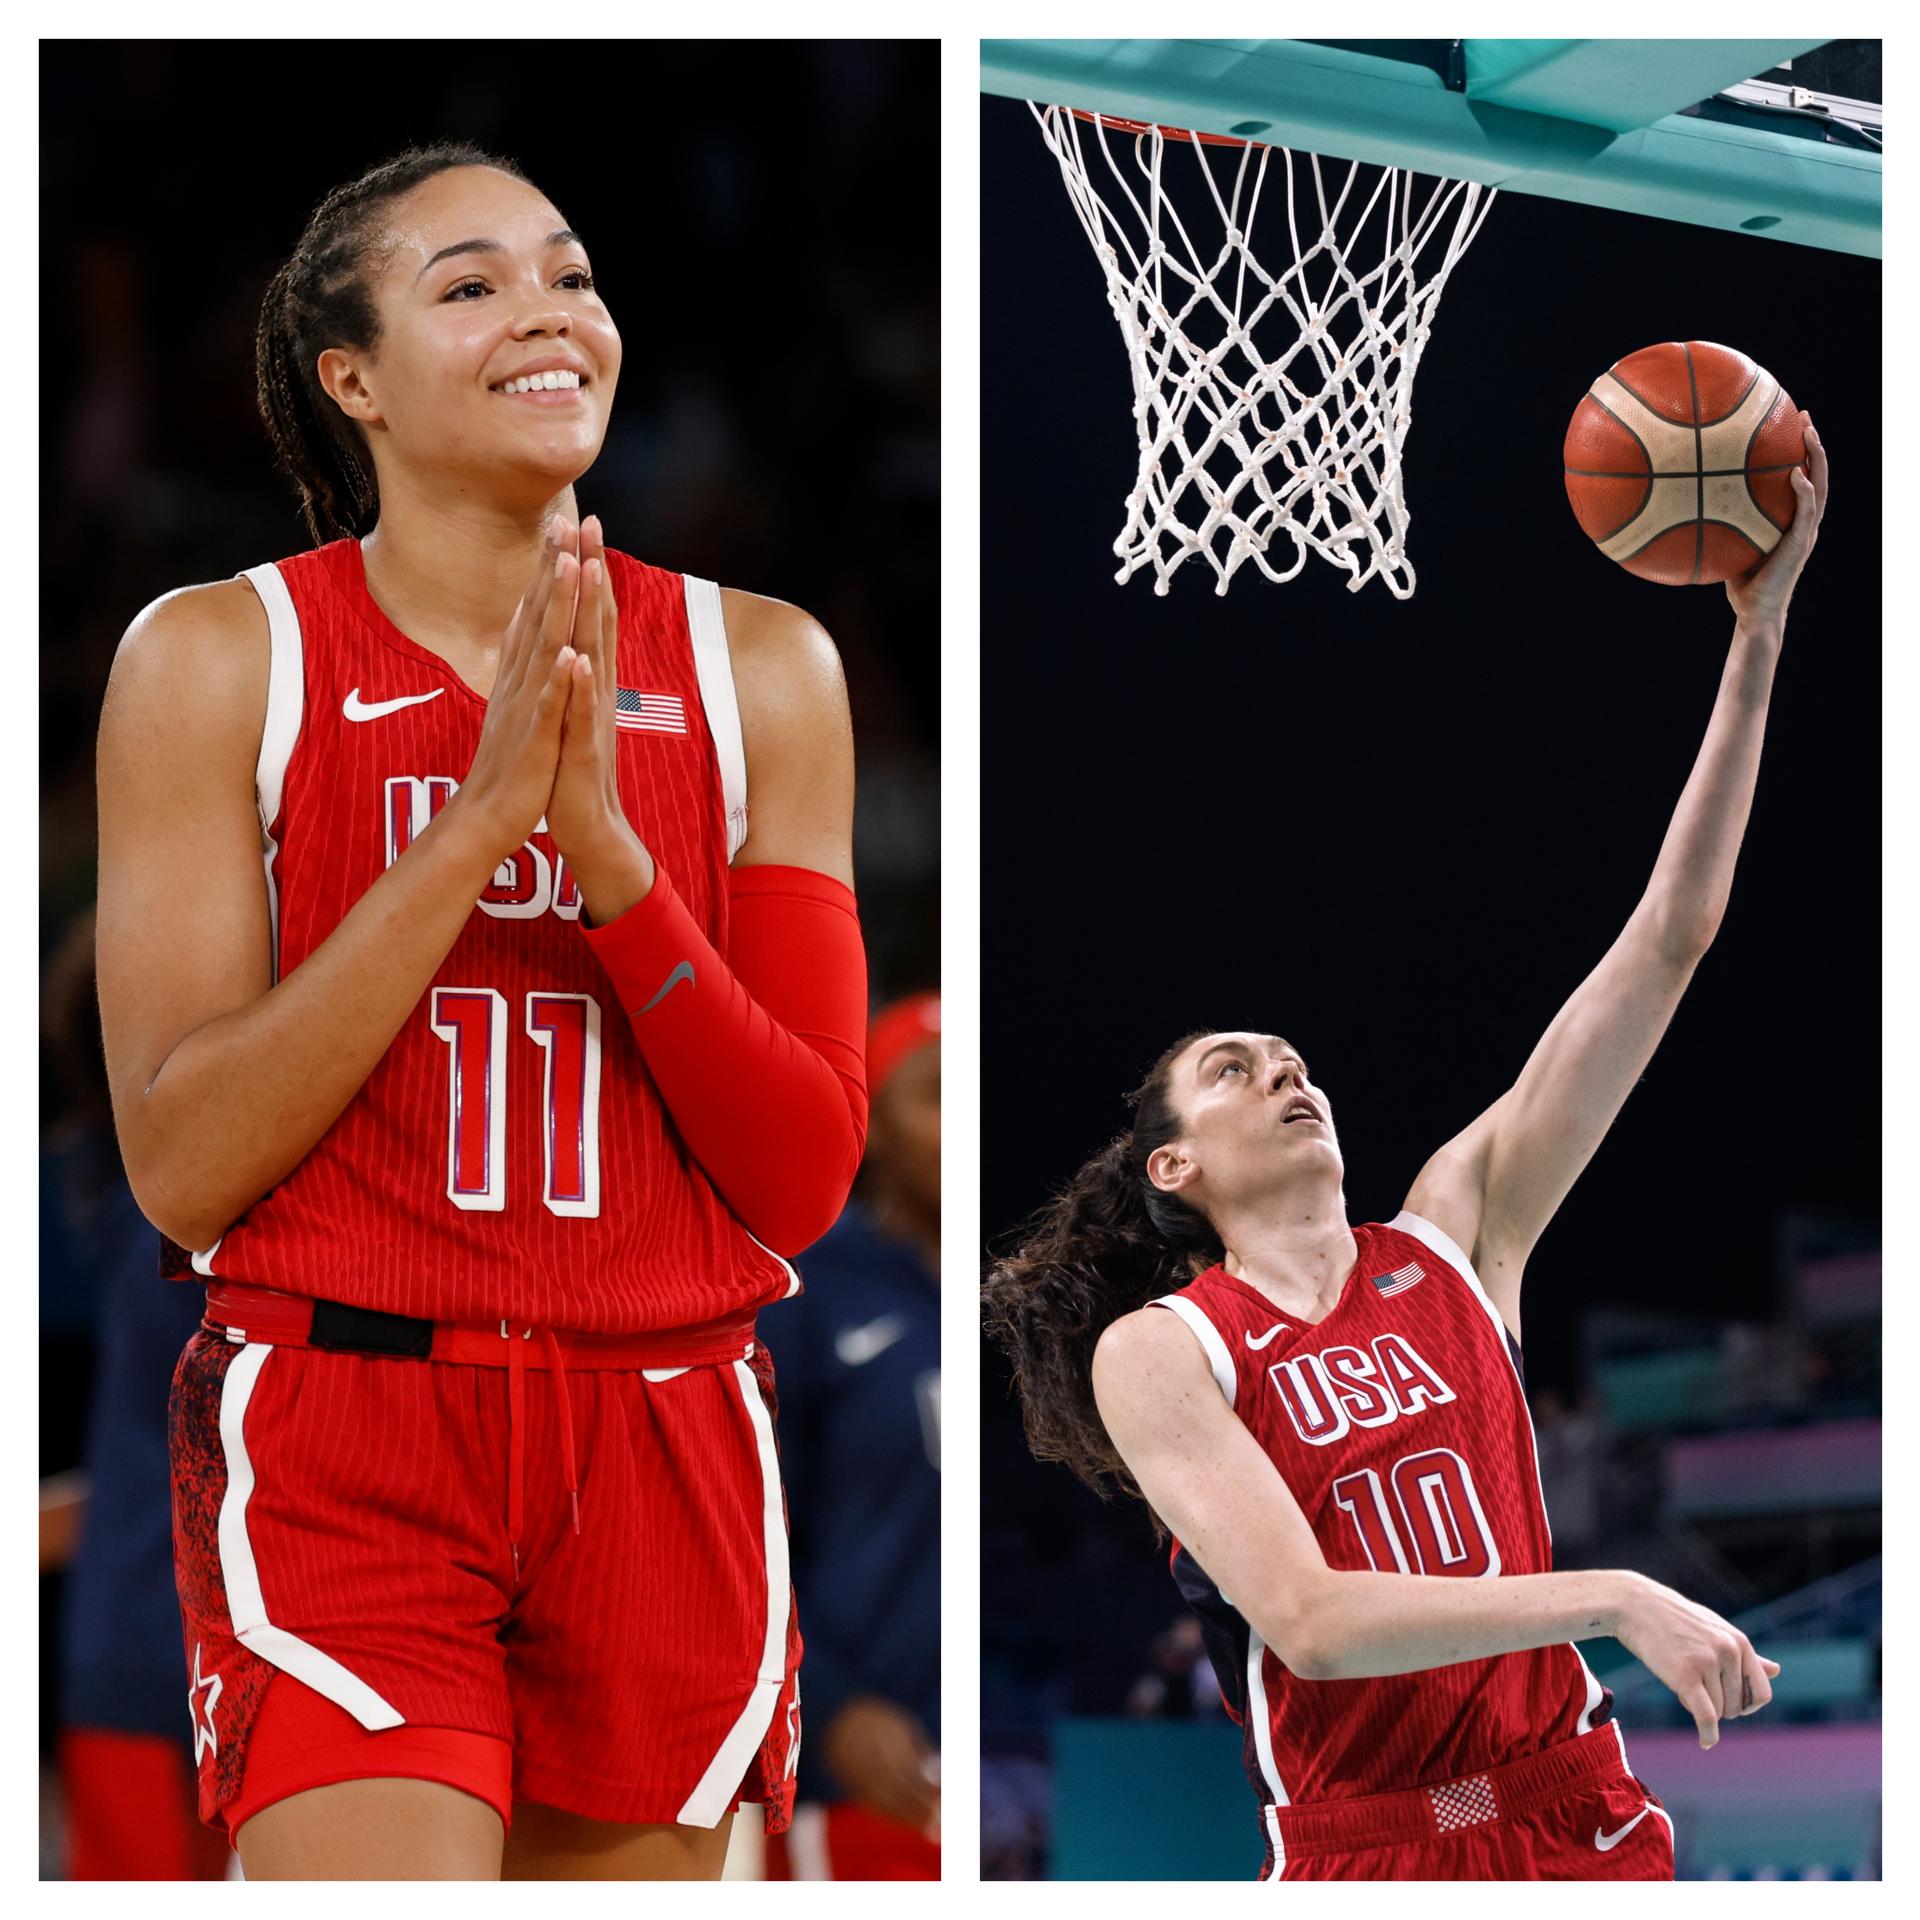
1772, 137
1273, 389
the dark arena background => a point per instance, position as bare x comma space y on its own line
776, 429
1400, 835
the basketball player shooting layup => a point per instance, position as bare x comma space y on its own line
490, 1100
1331, 1418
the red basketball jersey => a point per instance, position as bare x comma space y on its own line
509, 1157
1400, 1425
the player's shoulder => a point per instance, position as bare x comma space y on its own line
197, 657
778, 649
1139, 1348
1154, 1369
203, 624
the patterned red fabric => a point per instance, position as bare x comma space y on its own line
1573, 1812
341, 1518
1400, 1425
610, 1230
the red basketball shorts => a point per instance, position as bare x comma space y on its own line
1573, 1812
398, 1537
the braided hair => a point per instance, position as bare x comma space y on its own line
322, 297
1109, 1242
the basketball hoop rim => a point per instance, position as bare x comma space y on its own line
1121, 124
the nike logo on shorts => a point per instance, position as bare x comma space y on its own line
1256, 1345
357, 709
684, 971
1605, 1841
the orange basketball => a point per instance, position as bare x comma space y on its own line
1680, 461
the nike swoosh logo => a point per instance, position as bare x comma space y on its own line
1256, 1345
357, 709
857, 1345
1605, 1841
684, 971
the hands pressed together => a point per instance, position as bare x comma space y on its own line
547, 745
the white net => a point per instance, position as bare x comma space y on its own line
1271, 407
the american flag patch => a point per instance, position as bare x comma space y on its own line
636, 712
1400, 1279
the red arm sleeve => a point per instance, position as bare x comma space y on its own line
761, 1061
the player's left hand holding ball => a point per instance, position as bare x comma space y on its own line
585, 817
1760, 598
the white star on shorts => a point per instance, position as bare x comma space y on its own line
205, 1740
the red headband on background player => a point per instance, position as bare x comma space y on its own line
900, 1028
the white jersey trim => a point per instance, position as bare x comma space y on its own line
1262, 1717
719, 1786
286, 708
1448, 1249
1431, 1236
1203, 1329
241, 1575
1595, 1694
786, 1265
713, 665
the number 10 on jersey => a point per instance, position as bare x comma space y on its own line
473, 1021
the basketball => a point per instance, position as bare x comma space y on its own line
1679, 462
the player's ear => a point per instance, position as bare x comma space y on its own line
345, 383
1169, 1168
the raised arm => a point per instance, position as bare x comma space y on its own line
1205, 1475
222, 1080
1496, 1186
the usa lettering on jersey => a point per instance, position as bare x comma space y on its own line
1327, 1394
509, 1156
1398, 1424
532, 880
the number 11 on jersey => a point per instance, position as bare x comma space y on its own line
473, 1021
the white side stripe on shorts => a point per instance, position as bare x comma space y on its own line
241, 1574
715, 1794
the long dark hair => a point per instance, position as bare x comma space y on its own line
1109, 1242
323, 297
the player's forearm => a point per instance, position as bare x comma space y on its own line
759, 1055
1693, 877
241, 1100
1361, 1625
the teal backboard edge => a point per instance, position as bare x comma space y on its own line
1507, 125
